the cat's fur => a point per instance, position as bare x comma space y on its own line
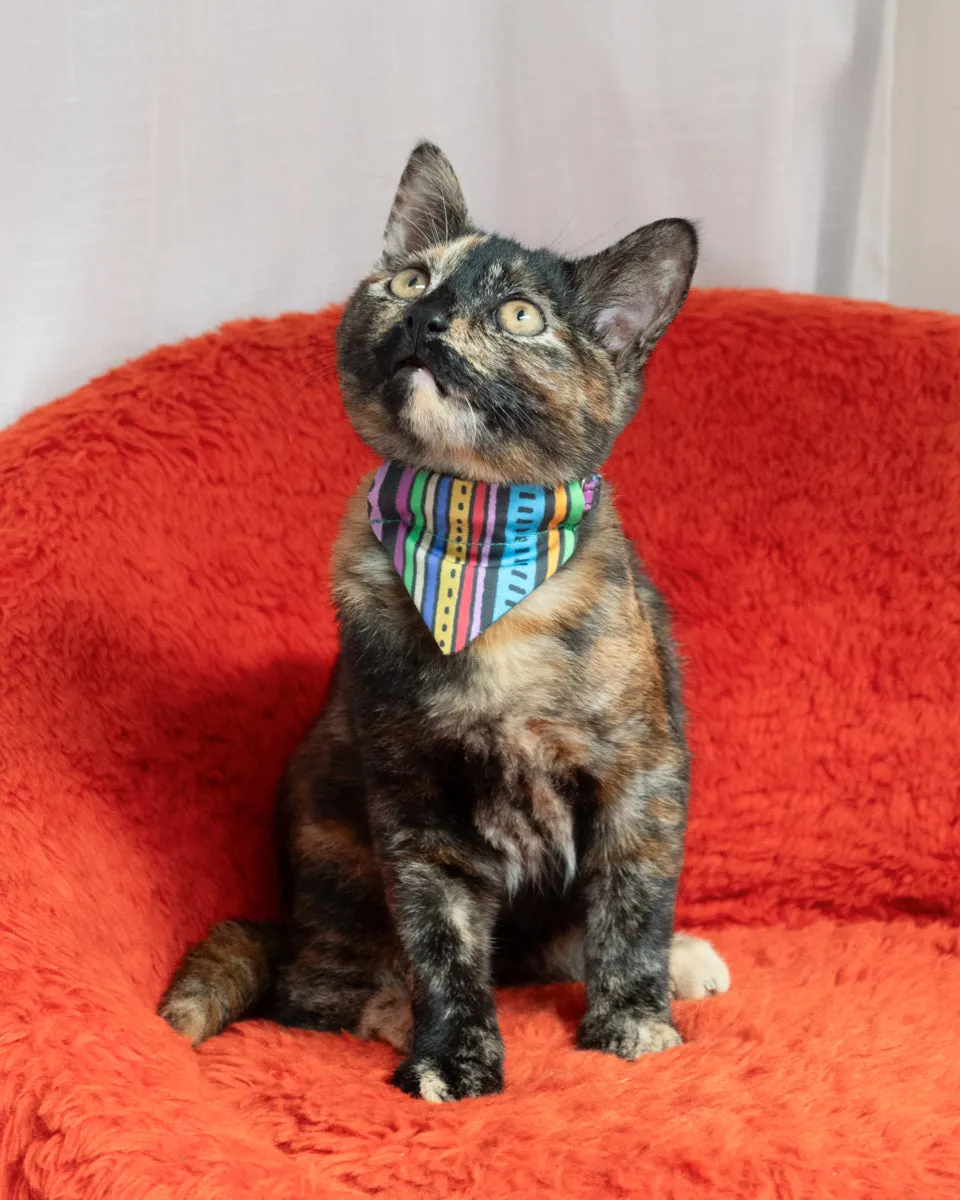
515, 812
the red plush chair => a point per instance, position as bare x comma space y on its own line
793, 482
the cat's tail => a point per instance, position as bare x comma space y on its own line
229, 975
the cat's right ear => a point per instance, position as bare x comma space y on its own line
429, 207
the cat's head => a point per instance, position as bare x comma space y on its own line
468, 354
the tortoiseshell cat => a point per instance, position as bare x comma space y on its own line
513, 811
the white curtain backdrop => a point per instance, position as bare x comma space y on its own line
169, 164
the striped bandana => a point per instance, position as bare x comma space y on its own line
468, 552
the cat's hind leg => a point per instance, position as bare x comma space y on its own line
695, 968
342, 969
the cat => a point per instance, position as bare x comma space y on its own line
496, 796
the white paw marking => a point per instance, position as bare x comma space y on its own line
696, 969
432, 1087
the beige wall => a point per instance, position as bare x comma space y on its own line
925, 201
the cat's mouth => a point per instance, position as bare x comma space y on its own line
417, 372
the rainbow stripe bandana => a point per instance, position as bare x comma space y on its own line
469, 552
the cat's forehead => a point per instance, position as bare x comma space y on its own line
487, 265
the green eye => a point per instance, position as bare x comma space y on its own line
409, 284
520, 317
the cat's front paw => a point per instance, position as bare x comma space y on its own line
440, 1078
626, 1035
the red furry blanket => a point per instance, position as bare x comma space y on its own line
794, 485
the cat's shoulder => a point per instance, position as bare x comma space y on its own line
366, 587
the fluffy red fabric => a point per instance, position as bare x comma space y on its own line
165, 635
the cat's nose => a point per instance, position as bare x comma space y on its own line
426, 319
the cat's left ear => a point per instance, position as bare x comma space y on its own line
635, 288
429, 207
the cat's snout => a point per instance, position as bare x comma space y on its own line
425, 320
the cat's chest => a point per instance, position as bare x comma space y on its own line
522, 744
528, 813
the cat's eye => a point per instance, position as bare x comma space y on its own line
521, 317
409, 284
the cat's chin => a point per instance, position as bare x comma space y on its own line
434, 419
410, 421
